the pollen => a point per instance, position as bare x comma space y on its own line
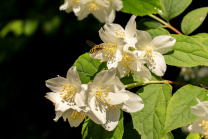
101, 95
67, 94
78, 115
75, 1
93, 7
127, 60
204, 126
148, 52
120, 33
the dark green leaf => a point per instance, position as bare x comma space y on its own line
130, 133
148, 23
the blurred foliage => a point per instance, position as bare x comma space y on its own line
37, 42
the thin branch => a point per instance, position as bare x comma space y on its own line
168, 25
163, 81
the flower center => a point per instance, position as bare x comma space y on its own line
148, 52
120, 33
67, 94
93, 6
101, 94
204, 125
78, 115
75, 1
126, 60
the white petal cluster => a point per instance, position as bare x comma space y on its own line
100, 100
103, 10
106, 95
201, 124
67, 96
129, 49
152, 50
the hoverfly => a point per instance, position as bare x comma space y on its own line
95, 48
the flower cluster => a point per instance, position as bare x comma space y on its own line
103, 10
201, 124
100, 100
129, 49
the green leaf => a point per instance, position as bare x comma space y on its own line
193, 136
187, 52
157, 32
168, 136
193, 20
202, 41
179, 110
173, 8
141, 7
150, 121
91, 130
148, 23
87, 68
130, 133
203, 35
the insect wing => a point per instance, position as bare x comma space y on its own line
91, 44
93, 57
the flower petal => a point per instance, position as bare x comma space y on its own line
195, 128
143, 74
112, 117
64, 6
107, 37
122, 69
73, 78
118, 97
112, 28
163, 43
52, 96
93, 117
143, 39
83, 13
99, 112
104, 77
74, 122
201, 109
158, 65
111, 16
133, 104
117, 4
58, 115
55, 84
130, 28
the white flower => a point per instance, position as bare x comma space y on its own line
152, 50
128, 34
67, 96
112, 49
132, 63
106, 95
71, 5
201, 124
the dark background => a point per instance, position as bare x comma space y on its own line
26, 61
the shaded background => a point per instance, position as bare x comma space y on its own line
39, 42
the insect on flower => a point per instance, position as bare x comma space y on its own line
95, 48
